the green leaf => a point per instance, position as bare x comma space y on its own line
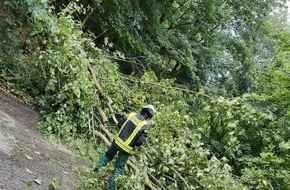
37, 181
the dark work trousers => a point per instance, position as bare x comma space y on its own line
120, 162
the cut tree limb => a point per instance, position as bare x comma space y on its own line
108, 99
105, 130
103, 137
177, 173
113, 115
102, 114
166, 87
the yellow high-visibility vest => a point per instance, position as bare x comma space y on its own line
133, 121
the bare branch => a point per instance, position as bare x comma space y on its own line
167, 87
102, 114
181, 5
88, 16
178, 174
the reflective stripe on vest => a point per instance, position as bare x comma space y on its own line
121, 144
125, 145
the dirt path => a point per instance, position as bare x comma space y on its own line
27, 159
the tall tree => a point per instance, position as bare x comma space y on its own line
197, 42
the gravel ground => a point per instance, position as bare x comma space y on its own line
27, 159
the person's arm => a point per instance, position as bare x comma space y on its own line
142, 137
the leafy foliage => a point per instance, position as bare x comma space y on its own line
192, 41
235, 141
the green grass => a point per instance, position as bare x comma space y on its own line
54, 184
9, 138
4, 124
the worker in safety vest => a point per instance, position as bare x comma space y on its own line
133, 132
